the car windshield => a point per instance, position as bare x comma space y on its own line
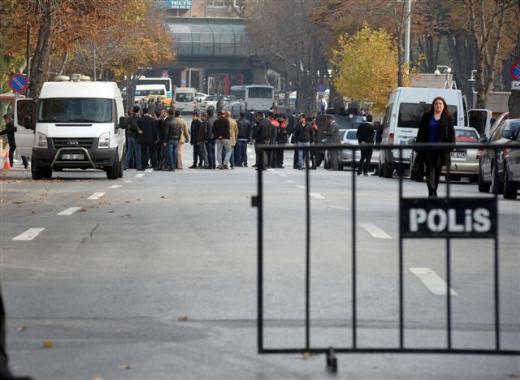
410, 114
212, 98
75, 110
466, 136
184, 97
351, 135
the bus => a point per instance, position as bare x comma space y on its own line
167, 82
252, 98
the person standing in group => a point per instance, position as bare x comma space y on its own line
244, 136
194, 132
202, 139
184, 138
436, 127
272, 139
173, 134
210, 145
133, 146
9, 130
147, 139
333, 137
261, 136
162, 151
221, 131
282, 138
303, 138
365, 136
233, 133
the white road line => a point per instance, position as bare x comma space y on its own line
300, 187
148, 171
317, 195
30, 234
271, 170
340, 208
375, 231
128, 181
96, 195
115, 187
432, 281
69, 211
140, 175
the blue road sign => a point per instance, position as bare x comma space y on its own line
515, 71
18, 82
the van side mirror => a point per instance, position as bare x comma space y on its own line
508, 134
122, 122
25, 113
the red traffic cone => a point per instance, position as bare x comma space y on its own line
7, 165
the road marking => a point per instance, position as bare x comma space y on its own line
96, 195
148, 171
30, 234
375, 231
69, 211
340, 208
432, 281
271, 170
115, 187
300, 187
128, 181
317, 196
140, 175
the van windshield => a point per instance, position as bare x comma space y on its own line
260, 92
184, 97
410, 114
76, 110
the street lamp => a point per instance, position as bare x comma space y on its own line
472, 80
446, 69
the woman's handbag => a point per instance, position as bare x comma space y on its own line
417, 170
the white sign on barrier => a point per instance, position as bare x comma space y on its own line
515, 86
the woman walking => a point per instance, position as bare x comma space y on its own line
436, 127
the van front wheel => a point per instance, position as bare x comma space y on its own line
114, 171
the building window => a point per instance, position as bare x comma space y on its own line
217, 3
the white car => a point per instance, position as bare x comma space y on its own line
200, 97
345, 157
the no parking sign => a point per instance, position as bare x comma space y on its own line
515, 71
18, 82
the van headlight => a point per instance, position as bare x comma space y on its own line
40, 140
104, 140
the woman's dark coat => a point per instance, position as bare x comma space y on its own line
446, 135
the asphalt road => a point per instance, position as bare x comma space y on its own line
110, 282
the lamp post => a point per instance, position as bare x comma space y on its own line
445, 70
472, 80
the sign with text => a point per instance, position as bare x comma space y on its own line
175, 4
427, 218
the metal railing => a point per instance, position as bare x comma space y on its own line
258, 201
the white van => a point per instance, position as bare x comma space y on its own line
76, 125
184, 99
404, 110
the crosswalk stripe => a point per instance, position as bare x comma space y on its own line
375, 231
69, 211
433, 282
30, 234
96, 195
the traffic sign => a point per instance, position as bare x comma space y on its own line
515, 70
18, 82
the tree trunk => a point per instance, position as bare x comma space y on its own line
42, 52
462, 54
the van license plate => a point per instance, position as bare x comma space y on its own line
460, 155
72, 157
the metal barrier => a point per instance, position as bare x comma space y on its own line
422, 206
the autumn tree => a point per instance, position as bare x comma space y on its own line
366, 66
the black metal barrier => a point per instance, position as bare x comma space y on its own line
413, 215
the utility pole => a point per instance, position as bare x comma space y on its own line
408, 32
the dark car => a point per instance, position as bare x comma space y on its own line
500, 163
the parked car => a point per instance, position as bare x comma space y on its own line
512, 167
349, 137
464, 162
200, 97
492, 162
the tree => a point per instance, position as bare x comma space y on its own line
486, 20
286, 39
366, 64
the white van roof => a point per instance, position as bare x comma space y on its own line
150, 87
423, 94
104, 90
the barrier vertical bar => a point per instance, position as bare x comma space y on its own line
260, 242
354, 264
307, 251
448, 260
497, 266
401, 307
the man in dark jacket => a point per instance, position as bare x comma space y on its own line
194, 133
261, 135
302, 135
365, 135
148, 138
9, 130
244, 136
210, 145
133, 146
173, 134
221, 131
